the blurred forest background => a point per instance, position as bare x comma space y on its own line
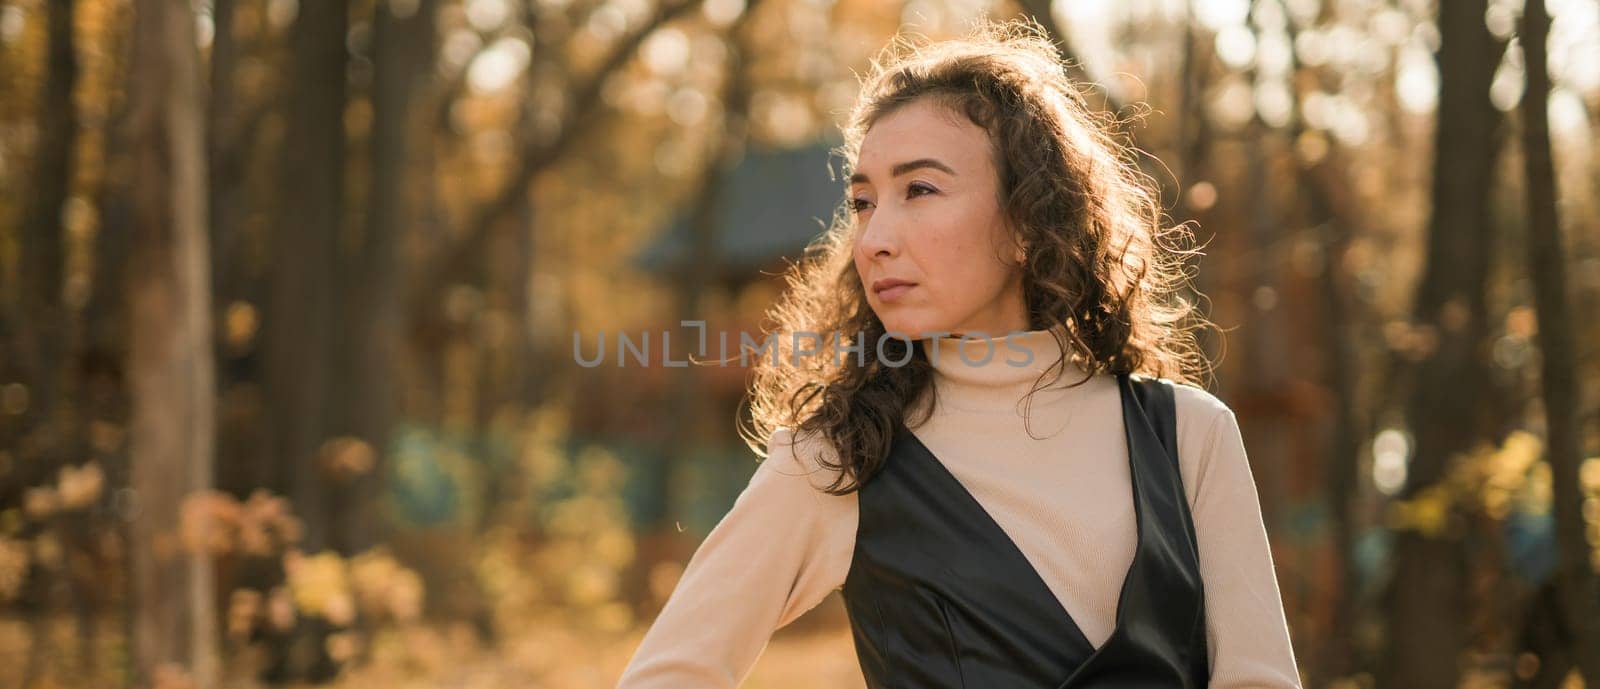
288, 295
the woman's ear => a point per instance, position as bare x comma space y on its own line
1018, 241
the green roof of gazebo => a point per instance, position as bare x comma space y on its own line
772, 204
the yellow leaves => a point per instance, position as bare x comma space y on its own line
1494, 481
267, 524
1522, 322
40, 502
600, 471
1414, 341
1589, 484
583, 513
1589, 475
1428, 512
80, 486
346, 457
542, 458
372, 583
544, 465
402, 657
384, 587
239, 325
1506, 471
206, 521
1507, 466
1489, 480
76, 487
614, 616
509, 574
14, 557
587, 562
342, 646
318, 586
572, 567
591, 583
215, 522
1535, 495
614, 546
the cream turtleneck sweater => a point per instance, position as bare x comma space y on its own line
1056, 481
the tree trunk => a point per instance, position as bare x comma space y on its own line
303, 304
1575, 577
41, 326
1336, 655
372, 320
170, 361
1429, 599
222, 152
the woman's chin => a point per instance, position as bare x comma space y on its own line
912, 327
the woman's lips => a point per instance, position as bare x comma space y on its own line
894, 293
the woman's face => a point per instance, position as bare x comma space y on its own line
925, 197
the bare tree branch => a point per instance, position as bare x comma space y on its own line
537, 155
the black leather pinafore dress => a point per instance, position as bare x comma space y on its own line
939, 597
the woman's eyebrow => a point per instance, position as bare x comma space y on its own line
902, 168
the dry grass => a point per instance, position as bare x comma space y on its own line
818, 654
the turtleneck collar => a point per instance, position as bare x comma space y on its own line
995, 373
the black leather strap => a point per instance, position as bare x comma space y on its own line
1157, 398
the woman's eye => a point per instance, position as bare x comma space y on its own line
858, 205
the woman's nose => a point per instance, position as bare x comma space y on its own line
879, 237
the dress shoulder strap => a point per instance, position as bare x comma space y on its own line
1159, 402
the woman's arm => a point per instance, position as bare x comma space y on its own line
781, 548
1247, 635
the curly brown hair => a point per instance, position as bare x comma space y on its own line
1100, 273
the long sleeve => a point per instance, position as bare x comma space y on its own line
1247, 635
782, 547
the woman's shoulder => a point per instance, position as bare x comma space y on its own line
1197, 408
1208, 433
801, 454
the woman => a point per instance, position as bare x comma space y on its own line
987, 523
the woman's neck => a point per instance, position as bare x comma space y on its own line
993, 374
